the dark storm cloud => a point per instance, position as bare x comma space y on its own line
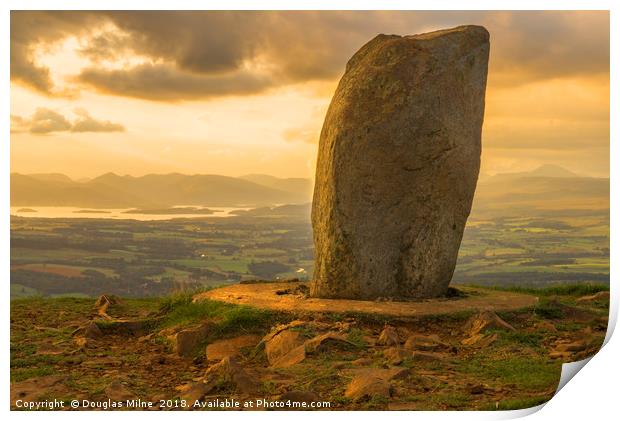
192, 55
46, 121
166, 83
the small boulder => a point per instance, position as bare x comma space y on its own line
104, 302
229, 371
230, 347
118, 392
82, 342
277, 346
396, 355
388, 337
291, 358
194, 391
367, 386
187, 340
425, 343
484, 321
480, 340
572, 347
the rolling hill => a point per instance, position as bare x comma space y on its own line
153, 190
548, 187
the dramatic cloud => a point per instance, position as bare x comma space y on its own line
85, 123
193, 55
46, 121
168, 83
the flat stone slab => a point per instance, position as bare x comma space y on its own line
269, 295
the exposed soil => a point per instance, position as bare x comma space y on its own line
289, 296
455, 361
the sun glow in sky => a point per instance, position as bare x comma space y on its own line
234, 93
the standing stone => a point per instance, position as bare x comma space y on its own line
398, 161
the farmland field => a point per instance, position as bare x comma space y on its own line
87, 257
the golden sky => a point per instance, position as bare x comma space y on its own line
234, 93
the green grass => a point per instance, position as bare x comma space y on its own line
526, 373
21, 291
19, 375
549, 309
530, 339
356, 336
179, 310
576, 290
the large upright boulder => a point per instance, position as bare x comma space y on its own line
398, 161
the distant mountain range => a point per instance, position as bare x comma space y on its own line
156, 190
547, 187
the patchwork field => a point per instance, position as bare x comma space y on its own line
146, 258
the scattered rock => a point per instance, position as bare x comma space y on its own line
599, 296
194, 391
396, 355
425, 343
104, 302
299, 396
484, 321
572, 347
229, 371
330, 338
280, 328
388, 337
427, 356
300, 290
294, 356
90, 330
82, 342
367, 386
362, 362
560, 355
117, 391
400, 143
477, 389
187, 340
480, 340
221, 349
281, 344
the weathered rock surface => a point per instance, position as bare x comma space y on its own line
388, 337
223, 348
186, 341
230, 371
398, 161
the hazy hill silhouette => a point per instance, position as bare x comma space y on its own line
153, 190
547, 187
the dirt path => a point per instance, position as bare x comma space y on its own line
275, 296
